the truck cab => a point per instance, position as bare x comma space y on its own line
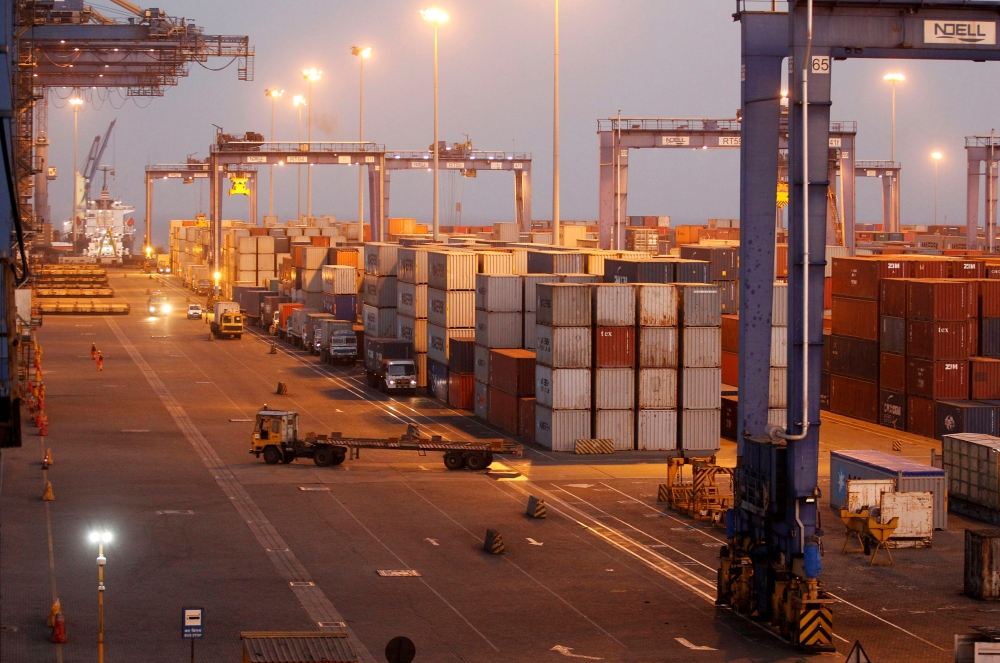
158, 304
344, 347
227, 320
274, 434
398, 375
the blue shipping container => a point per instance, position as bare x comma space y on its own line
437, 380
341, 307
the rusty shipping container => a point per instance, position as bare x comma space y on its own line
854, 398
503, 410
526, 418
861, 277
892, 372
892, 410
854, 358
658, 305
614, 305
858, 318
893, 336
512, 371
699, 305
937, 380
920, 416
938, 340
985, 378
893, 300
937, 300
658, 388
701, 347
658, 347
617, 426
460, 391
981, 572
614, 388
563, 305
657, 430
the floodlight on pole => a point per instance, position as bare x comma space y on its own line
436, 17
298, 101
894, 78
312, 75
100, 538
273, 94
362, 53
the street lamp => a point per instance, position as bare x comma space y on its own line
299, 101
937, 159
312, 75
363, 54
273, 95
555, 132
437, 17
100, 538
894, 78
76, 102
218, 277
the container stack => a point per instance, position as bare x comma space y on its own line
724, 271
777, 402
340, 292
511, 391
499, 303
308, 262
614, 378
411, 305
656, 384
451, 306
461, 376
563, 360
378, 310
700, 360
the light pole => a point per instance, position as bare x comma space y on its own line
76, 102
894, 78
311, 75
273, 94
298, 101
437, 17
363, 54
555, 132
218, 277
100, 538
937, 159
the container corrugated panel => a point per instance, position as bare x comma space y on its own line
512, 371
892, 372
861, 277
499, 329
777, 395
730, 333
723, 261
461, 391
854, 398
555, 262
482, 366
854, 357
617, 426
451, 308
691, 271
380, 291
779, 304
658, 347
831, 253
937, 380
989, 337
920, 415
972, 463
519, 260
701, 388
614, 305
526, 418
503, 410
893, 300
937, 300
910, 477
495, 263
529, 330
531, 282
481, 401
562, 388
700, 431
729, 295
413, 330
938, 340
437, 341
658, 306
989, 297
339, 280
499, 293
892, 409
559, 430
378, 322
563, 305
420, 359
411, 299
622, 270
412, 266
657, 430
614, 347
658, 388
451, 270
563, 347
462, 356
701, 347
779, 347
855, 317
699, 305
985, 378
966, 417
614, 389
893, 336
982, 571
381, 258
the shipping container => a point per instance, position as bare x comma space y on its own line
658, 306
437, 380
699, 305
380, 258
824, 392
614, 389
701, 347
614, 305
723, 261
854, 358
892, 372
700, 388
461, 356
529, 330
339, 280
621, 270
526, 418
928, 267
730, 333
451, 308
658, 388
438, 348
499, 329
657, 430
380, 291
892, 412
893, 301
854, 398
378, 322
512, 371
981, 572
893, 336
481, 401
658, 347
411, 299
614, 347
938, 340
966, 417
777, 394
972, 463
412, 266
342, 307
989, 297
563, 347
779, 304
482, 366
617, 426
531, 282
779, 347
989, 337
700, 433
559, 430
920, 416
730, 368
461, 391
985, 378
503, 410
937, 300
858, 318
451, 270
555, 262
909, 475
729, 295
494, 263
937, 380
861, 277
499, 293
692, 271
563, 388
563, 305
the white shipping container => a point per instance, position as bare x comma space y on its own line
499, 329
378, 322
247, 261
499, 293
495, 263
777, 396
700, 305
411, 299
563, 347
412, 330
265, 244
700, 432
617, 426
562, 388
506, 231
246, 245
265, 261
658, 347
563, 305
779, 346
657, 430
702, 347
779, 304
658, 388
451, 308
614, 304
559, 430
412, 265
834, 252
529, 330
531, 282
481, 400
247, 275
340, 280
380, 291
614, 389
519, 258
657, 305
438, 347
381, 258
482, 367
701, 388
314, 257
778, 417
451, 270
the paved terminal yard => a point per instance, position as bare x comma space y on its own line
154, 448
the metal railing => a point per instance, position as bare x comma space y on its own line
460, 156
702, 124
982, 141
873, 165
297, 147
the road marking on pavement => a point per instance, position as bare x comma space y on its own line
195, 382
135, 430
399, 573
568, 651
313, 600
175, 512
157, 336
580, 485
240, 421
332, 625
535, 543
433, 542
423, 468
301, 584
321, 488
336, 410
689, 645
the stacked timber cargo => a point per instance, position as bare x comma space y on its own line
451, 310
411, 305
499, 325
379, 294
656, 386
700, 379
563, 361
724, 271
614, 377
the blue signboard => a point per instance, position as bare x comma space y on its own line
193, 625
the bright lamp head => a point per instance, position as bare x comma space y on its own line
100, 537
434, 15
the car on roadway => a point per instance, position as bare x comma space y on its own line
194, 312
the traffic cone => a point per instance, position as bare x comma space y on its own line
59, 630
38, 419
44, 430
47, 459
48, 496
53, 613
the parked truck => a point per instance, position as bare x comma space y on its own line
311, 331
285, 310
389, 365
226, 320
297, 326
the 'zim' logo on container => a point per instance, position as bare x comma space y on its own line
960, 32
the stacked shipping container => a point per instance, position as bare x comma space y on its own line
656, 385
411, 305
700, 360
614, 378
451, 308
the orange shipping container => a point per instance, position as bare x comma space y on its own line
688, 234
420, 228
526, 418
460, 390
400, 226
730, 368
320, 241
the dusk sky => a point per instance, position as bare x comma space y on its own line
649, 58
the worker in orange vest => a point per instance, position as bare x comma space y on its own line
93, 350
100, 361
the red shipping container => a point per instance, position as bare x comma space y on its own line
461, 390
892, 372
503, 410
985, 378
893, 298
967, 269
854, 398
526, 418
730, 368
731, 332
920, 416
615, 347
855, 317
929, 268
989, 298
937, 300
827, 293
513, 371
860, 277
993, 271
937, 380
317, 240
938, 340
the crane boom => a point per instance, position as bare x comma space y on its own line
94, 160
128, 6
